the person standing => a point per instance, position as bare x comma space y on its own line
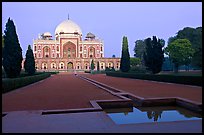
75, 73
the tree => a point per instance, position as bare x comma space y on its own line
171, 39
29, 63
154, 55
139, 50
187, 33
167, 64
135, 62
2, 43
125, 59
98, 66
162, 42
179, 52
92, 65
12, 56
194, 35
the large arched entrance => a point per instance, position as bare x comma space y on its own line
69, 65
69, 50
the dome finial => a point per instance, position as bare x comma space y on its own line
68, 16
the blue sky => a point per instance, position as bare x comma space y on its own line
109, 21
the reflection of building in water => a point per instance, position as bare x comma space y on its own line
126, 113
68, 51
154, 114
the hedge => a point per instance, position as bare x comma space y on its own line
9, 84
190, 80
87, 71
53, 72
96, 72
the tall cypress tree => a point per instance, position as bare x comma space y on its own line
148, 54
92, 65
12, 56
98, 66
154, 55
29, 64
125, 59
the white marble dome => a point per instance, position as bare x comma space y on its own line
68, 26
47, 34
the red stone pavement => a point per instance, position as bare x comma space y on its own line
65, 91
61, 91
150, 89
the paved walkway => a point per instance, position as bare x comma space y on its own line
150, 89
66, 91
61, 91
89, 122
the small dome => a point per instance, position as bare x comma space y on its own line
68, 26
47, 34
90, 35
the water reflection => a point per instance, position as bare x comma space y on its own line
150, 114
154, 114
126, 113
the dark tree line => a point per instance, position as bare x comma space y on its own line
194, 35
150, 52
180, 52
154, 55
12, 52
193, 57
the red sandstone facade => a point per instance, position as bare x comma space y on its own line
69, 52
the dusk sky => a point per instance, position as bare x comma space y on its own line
109, 21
